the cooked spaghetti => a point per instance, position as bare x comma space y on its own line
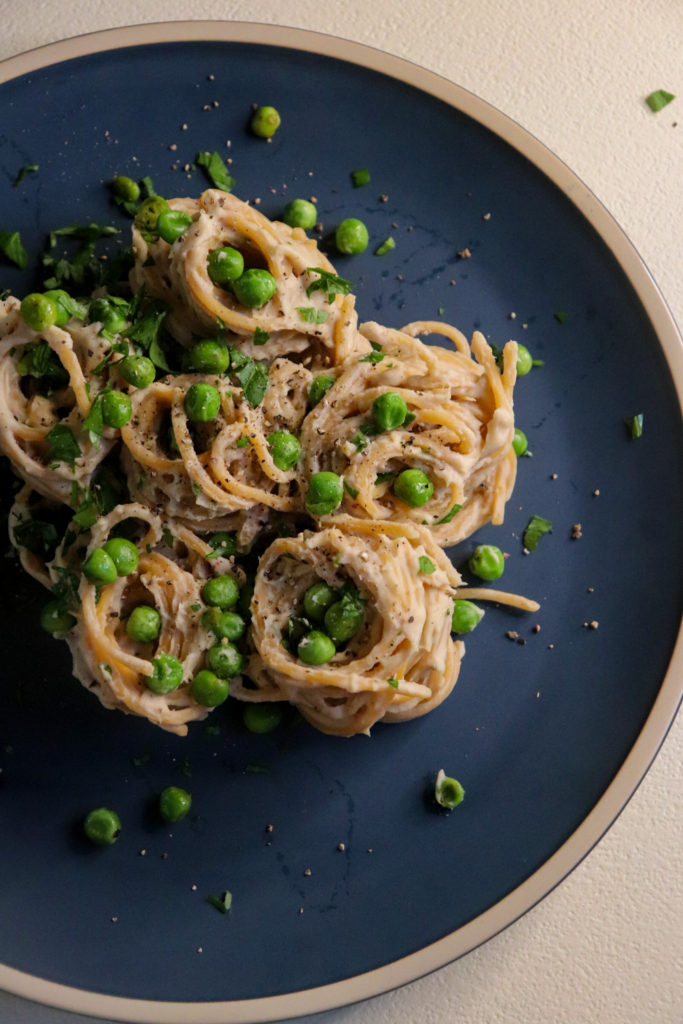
201, 440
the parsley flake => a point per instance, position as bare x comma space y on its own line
449, 515
536, 527
360, 177
260, 336
372, 357
222, 903
23, 171
329, 283
393, 682
216, 170
386, 246
426, 565
12, 249
310, 315
63, 446
659, 99
635, 426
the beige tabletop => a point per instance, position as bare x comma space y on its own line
605, 946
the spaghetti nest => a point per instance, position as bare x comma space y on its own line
201, 473
170, 573
401, 662
298, 320
458, 429
231, 438
48, 387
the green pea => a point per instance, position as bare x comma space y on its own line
144, 624
300, 214
262, 718
125, 188
325, 493
224, 543
210, 356
389, 410
225, 660
413, 487
285, 449
202, 403
225, 265
265, 121
167, 675
487, 562
108, 312
148, 213
519, 442
220, 591
102, 826
466, 616
254, 288
318, 599
174, 804
124, 554
224, 625
319, 387
448, 792
117, 408
99, 567
66, 306
171, 224
315, 648
344, 618
39, 311
524, 360
210, 690
351, 236
54, 619
137, 370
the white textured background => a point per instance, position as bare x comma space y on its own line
606, 947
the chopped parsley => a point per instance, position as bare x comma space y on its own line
222, 902
383, 478
36, 536
311, 315
328, 283
659, 99
372, 357
536, 527
40, 361
426, 565
561, 316
242, 443
12, 249
351, 490
260, 336
252, 376
449, 515
360, 177
635, 426
146, 330
216, 170
23, 171
393, 682
84, 269
386, 246
62, 445
93, 424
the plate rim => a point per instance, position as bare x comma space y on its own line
663, 711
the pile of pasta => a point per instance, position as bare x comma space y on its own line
220, 476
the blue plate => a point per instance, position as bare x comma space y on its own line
359, 885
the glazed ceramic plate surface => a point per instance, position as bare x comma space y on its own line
360, 885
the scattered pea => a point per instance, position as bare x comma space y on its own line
389, 410
300, 214
172, 224
167, 674
202, 403
225, 660
210, 690
487, 562
285, 449
54, 619
325, 493
124, 555
220, 591
99, 567
254, 288
315, 648
137, 370
319, 387
225, 265
318, 599
210, 356
144, 624
174, 804
413, 487
262, 718
102, 826
39, 311
265, 121
351, 236
117, 408
466, 616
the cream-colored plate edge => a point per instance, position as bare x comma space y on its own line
492, 921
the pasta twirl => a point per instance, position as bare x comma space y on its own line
284, 472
